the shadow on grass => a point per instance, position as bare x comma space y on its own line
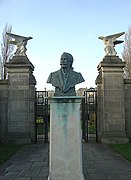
7, 150
123, 149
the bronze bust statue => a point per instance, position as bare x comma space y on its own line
65, 79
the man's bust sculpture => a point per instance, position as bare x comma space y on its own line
65, 79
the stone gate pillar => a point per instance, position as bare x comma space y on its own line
21, 100
111, 105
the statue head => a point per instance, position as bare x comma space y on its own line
66, 60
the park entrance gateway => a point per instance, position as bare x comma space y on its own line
88, 116
17, 99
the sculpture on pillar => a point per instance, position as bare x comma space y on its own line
110, 42
65, 79
20, 42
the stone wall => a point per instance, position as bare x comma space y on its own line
127, 87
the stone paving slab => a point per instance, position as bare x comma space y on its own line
103, 163
99, 163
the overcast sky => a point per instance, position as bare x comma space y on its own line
71, 26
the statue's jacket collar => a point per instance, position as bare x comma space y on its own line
58, 81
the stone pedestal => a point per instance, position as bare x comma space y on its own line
111, 104
65, 139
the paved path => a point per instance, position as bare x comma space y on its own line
99, 162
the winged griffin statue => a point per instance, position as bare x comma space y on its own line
20, 42
110, 42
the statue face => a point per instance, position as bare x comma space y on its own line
65, 62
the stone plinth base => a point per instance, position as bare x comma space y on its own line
115, 139
65, 139
16, 140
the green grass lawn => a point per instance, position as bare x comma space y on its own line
7, 150
123, 149
92, 129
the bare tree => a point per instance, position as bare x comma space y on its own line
126, 55
6, 50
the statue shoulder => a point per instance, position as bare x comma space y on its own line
77, 73
55, 72
52, 76
78, 76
